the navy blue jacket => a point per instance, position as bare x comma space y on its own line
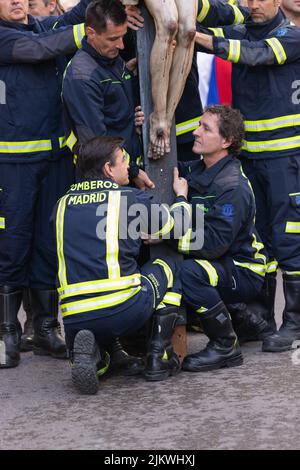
99, 99
98, 233
223, 195
31, 67
265, 83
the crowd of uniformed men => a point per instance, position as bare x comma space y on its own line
71, 162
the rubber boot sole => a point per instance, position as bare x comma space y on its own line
230, 362
84, 368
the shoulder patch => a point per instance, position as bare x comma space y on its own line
281, 32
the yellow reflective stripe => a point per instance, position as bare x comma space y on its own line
101, 285
183, 204
256, 268
60, 215
184, 242
201, 310
218, 32
272, 145
204, 11
292, 227
172, 298
211, 271
106, 360
71, 140
168, 225
272, 267
258, 246
238, 15
26, 146
2, 223
234, 50
262, 125
168, 271
160, 306
95, 303
62, 142
187, 126
292, 273
79, 33
112, 239
278, 50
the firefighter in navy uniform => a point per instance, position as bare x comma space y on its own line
227, 265
98, 89
35, 168
266, 65
103, 292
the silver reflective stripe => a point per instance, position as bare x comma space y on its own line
99, 286
258, 269
268, 146
26, 146
106, 301
271, 124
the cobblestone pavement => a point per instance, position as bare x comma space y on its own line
248, 407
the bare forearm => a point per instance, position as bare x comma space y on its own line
204, 40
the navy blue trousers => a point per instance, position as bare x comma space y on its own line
28, 194
276, 186
204, 287
128, 317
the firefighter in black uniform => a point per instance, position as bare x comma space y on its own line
103, 292
227, 264
265, 71
35, 168
98, 90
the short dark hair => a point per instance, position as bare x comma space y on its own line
99, 12
231, 125
93, 155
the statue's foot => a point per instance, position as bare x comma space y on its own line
159, 137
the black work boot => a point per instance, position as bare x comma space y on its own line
247, 325
122, 362
27, 336
222, 350
10, 328
161, 359
255, 321
87, 364
289, 332
47, 337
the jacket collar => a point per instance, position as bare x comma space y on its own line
31, 26
98, 57
201, 177
261, 30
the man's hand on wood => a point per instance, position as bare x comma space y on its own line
134, 18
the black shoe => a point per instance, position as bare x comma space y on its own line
161, 359
288, 336
161, 367
247, 325
85, 361
27, 336
47, 337
47, 340
123, 363
213, 357
10, 328
223, 348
